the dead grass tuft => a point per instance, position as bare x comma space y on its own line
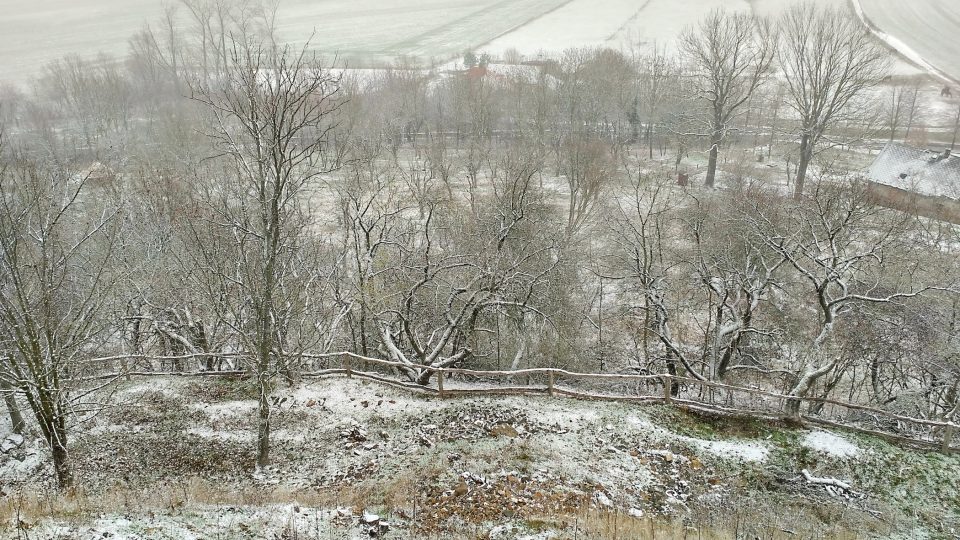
165, 496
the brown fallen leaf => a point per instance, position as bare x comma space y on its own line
504, 430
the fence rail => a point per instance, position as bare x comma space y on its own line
694, 394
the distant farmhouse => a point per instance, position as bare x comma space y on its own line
923, 182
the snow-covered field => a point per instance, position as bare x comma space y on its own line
376, 31
929, 28
32, 33
623, 23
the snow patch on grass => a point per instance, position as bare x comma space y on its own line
164, 386
226, 409
269, 521
348, 399
646, 426
102, 429
216, 434
29, 463
830, 444
565, 413
742, 450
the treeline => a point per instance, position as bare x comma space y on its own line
219, 194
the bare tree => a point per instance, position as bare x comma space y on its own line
588, 168
202, 13
273, 114
657, 79
673, 245
166, 50
843, 248
55, 268
956, 130
737, 271
828, 62
641, 258
731, 53
914, 108
900, 105
442, 271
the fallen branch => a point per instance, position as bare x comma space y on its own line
825, 481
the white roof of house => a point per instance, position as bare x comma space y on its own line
914, 169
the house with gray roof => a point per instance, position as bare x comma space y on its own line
923, 182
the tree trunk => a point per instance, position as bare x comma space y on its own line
672, 370
54, 431
263, 424
806, 155
803, 385
715, 346
263, 373
715, 141
734, 345
61, 461
956, 129
724, 364
650, 138
773, 131
16, 419
912, 115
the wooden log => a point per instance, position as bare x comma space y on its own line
587, 396
394, 383
128, 357
550, 383
505, 391
440, 383
145, 374
811, 479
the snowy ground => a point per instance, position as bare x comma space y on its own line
830, 444
367, 32
33, 33
923, 29
171, 458
623, 23
359, 32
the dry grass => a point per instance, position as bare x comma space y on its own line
168, 496
757, 522
594, 524
760, 520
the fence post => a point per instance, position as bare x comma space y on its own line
346, 365
550, 383
948, 433
667, 388
440, 382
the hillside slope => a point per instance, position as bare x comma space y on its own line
170, 458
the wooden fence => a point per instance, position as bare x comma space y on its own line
683, 392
